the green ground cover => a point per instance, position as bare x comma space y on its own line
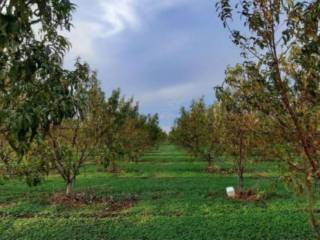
167, 195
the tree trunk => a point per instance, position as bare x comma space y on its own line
240, 164
69, 188
133, 159
210, 162
113, 166
106, 163
241, 185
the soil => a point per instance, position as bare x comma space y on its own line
211, 170
76, 200
247, 195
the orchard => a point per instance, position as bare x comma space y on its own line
79, 159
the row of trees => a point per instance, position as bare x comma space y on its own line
54, 118
209, 132
101, 130
279, 79
199, 130
268, 104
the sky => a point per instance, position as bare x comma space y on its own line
164, 53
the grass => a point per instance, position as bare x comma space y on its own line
176, 199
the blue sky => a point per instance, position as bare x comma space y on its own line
163, 52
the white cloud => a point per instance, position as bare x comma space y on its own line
120, 15
110, 18
117, 15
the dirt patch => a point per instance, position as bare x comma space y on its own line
119, 205
211, 170
81, 199
74, 200
247, 195
111, 207
220, 170
5, 205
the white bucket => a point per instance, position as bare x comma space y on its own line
231, 193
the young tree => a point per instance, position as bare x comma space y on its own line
199, 130
216, 132
116, 112
70, 142
284, 39
180, 131
139, 134
134, 137
155, 133
35, 89
190, 128
240, 121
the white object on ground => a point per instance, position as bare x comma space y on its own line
231, 192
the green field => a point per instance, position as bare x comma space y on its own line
167, 195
